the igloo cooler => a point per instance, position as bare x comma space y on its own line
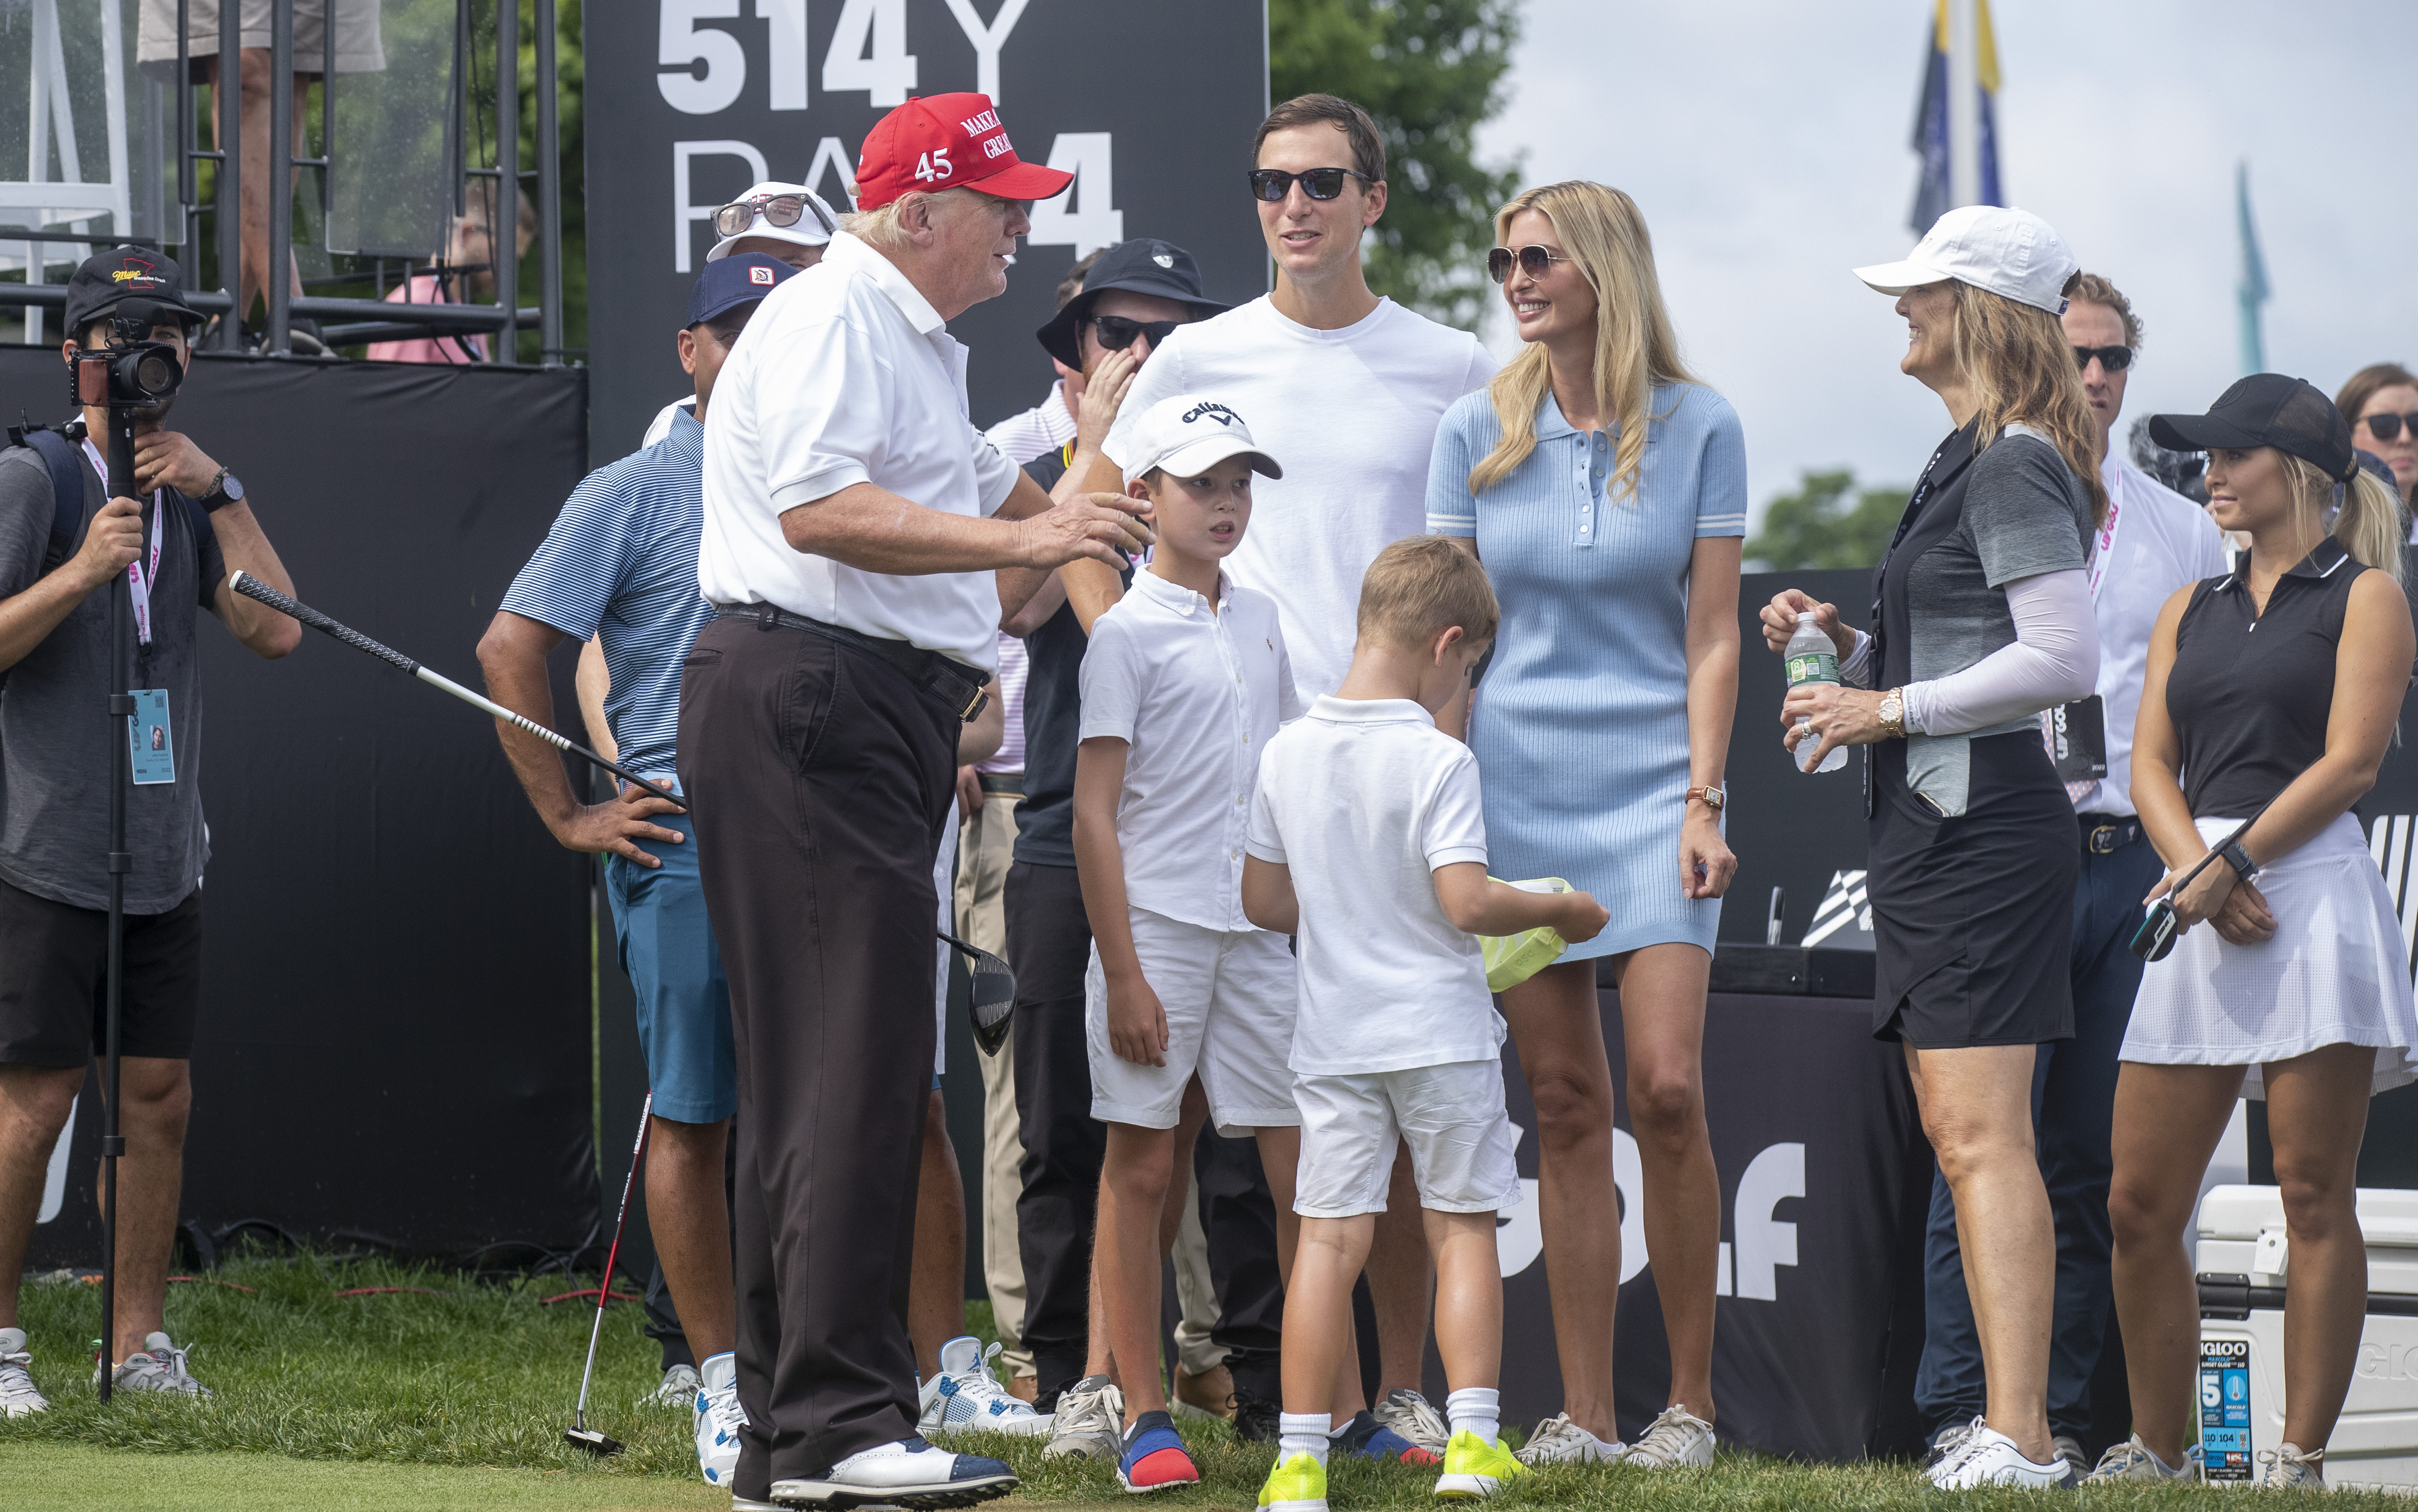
2243, 1262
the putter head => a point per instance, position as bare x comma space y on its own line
591, 1441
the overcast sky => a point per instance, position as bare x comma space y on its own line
1766, 141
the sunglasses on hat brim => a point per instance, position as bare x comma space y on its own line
781, 210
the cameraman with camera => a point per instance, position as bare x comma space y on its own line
174, 535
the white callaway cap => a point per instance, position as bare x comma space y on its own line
2009, 252
1188, 435
810, 231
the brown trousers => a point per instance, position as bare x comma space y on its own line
821, 779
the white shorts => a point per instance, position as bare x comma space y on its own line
1452, 1116
1229, 1000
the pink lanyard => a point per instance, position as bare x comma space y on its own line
139, 578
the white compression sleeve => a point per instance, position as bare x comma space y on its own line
1856, 667
2054, 659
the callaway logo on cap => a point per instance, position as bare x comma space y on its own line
1188, 435
947, 142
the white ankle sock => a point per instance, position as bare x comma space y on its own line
1302, 1433
1477, 1410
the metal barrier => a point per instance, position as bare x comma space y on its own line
362, 320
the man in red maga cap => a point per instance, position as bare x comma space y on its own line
861, 543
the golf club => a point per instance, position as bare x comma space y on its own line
991, 995
579, 1434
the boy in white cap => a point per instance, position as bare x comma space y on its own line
1185, 680
1367, 842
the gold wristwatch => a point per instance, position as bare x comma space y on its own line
1893, 714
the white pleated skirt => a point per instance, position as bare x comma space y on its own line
2336, 973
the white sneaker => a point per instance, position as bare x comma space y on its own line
909, 1474
1946, 1443
1989, 1458
678, 1389
716, 1417
1089, 1421
1415, 1418
965, 1398
2290, 1470
2133, 1461
17, 1398
1560, 1442
2069, 1449
159, 1366
1677, 1440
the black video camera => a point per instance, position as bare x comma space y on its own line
136, 373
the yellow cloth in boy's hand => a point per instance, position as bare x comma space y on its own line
1511, 960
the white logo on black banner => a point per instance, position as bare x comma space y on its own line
1845, 919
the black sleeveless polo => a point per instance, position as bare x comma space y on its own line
2249, 694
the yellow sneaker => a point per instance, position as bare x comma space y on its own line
1474, 1468
1297, 1484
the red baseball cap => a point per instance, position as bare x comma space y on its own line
947, 142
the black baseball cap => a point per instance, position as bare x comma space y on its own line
728, 283
2266, 409
121, 276
1141, 265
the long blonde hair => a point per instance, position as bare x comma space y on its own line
2021, 368
1635, 348
2370, 525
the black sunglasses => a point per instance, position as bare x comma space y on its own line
2388, 427
1534, 260
1116, 332
783, 210
2112, 358
1274, 184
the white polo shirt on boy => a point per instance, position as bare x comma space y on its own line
1396, 1036
1196, 697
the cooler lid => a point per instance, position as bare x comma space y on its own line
2388, 1216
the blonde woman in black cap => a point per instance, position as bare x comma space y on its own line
2270, 697
1982, 617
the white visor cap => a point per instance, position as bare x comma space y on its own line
1188, 435
2011, 252
809, 232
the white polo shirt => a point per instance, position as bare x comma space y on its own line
846, 375
2161, 542
1362, 800
1196, 698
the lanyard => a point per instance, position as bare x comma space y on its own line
139, 579
2104, 546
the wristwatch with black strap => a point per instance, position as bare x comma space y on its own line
225, 489
2238, 858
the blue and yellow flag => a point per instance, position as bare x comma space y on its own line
1934, 196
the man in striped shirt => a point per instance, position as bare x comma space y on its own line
619, 564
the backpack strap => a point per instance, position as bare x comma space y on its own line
67, 489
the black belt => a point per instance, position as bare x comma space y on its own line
952, 683
2104, 834
1002, 781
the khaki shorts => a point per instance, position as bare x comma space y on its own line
358, 48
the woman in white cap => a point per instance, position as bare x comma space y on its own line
1981, 619
2271, 698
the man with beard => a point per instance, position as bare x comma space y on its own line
177, 532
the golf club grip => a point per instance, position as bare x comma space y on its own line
253, 587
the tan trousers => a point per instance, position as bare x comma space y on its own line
986, 844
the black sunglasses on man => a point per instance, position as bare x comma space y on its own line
1274, 184
2111, 358
1116, 332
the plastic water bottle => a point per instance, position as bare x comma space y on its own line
1813, 657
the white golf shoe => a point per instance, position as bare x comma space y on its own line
1989, 1458
965, 1398
909, 1472
17, 1398
1560, 1442
1677, 1440
717, 1417
159, 1366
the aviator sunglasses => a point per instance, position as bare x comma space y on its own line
1274, 184
2389, 427
1116, 332
784, 211
1534, 260
2111, 358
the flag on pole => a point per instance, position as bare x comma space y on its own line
1934, 192
2253, 291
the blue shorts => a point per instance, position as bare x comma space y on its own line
667, 949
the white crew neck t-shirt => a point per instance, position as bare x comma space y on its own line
1196, 697
1362, 799
1351, 415
2162, 542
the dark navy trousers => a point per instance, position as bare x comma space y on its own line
2073, 1103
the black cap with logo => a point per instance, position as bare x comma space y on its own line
1141, 265
124, 274
2266, 409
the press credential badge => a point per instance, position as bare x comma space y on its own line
153, 739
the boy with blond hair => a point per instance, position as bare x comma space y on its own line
1367, 842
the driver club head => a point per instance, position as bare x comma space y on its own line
591, 1441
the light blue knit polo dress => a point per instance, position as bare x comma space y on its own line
1581, 728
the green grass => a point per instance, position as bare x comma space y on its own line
408, 1400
